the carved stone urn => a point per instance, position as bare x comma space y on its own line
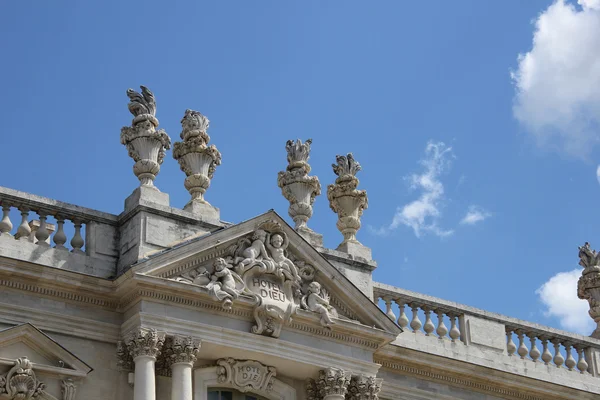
196, 158
588, 286
297, 187
345, 200
145, 144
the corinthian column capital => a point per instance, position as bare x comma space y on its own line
364, 387
145, 343
332, 383
179, 349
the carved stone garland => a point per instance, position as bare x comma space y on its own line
20, 382
299, 188
145, 144
345, 200
196, 158
259, 266
246, 375
588, 286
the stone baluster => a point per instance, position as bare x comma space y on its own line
388, 308
402, 319
546, 355
77, 240
570, 361
300, 189
522, 351
454, 331
5, 224
441, 330
511, 348
429, 327
364, 387
144, 347
24, 230
198, 161
559, 360
415, 324
41, 233
59, 237
582, 364
348, 203
181, 353
145, 144
332, 384
534, 353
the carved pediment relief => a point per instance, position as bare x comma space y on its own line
261, 266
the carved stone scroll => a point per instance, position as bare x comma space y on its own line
246, 375
68, 389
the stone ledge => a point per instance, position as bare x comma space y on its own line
347, 259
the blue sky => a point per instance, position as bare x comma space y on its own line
432, 98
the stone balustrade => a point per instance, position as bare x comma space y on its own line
57, 226
524, 342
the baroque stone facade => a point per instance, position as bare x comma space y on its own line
175, 304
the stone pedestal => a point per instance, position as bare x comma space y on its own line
312, 237
203, 210
144, 195
356, 249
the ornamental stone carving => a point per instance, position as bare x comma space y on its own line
246, 375
196, 158
364, 388
20, 382
345, 200
145, 144
68, 389
145, 343
588, 286
332, 384
260, 266
179, 349
124, 360
299, 188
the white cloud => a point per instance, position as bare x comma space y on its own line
422, 215
558, 82
559, 295
474, 215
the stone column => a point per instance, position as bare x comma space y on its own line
300, 189
144, 347
331, 385
180, 354
588, 286
364, 387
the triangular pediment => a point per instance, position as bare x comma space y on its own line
267, 251
26, 341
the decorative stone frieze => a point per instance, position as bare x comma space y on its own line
196, 158
179, 349
145, 343
364, 387
299, 188
588, 286
145, 144
20, 382
68, 389
246, 375
260, 266
332, 383
346, 201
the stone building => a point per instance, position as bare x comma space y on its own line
165, 303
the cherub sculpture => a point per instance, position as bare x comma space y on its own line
254, 251
276, 245
318, 302
224, 283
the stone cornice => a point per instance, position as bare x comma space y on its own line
473, 377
